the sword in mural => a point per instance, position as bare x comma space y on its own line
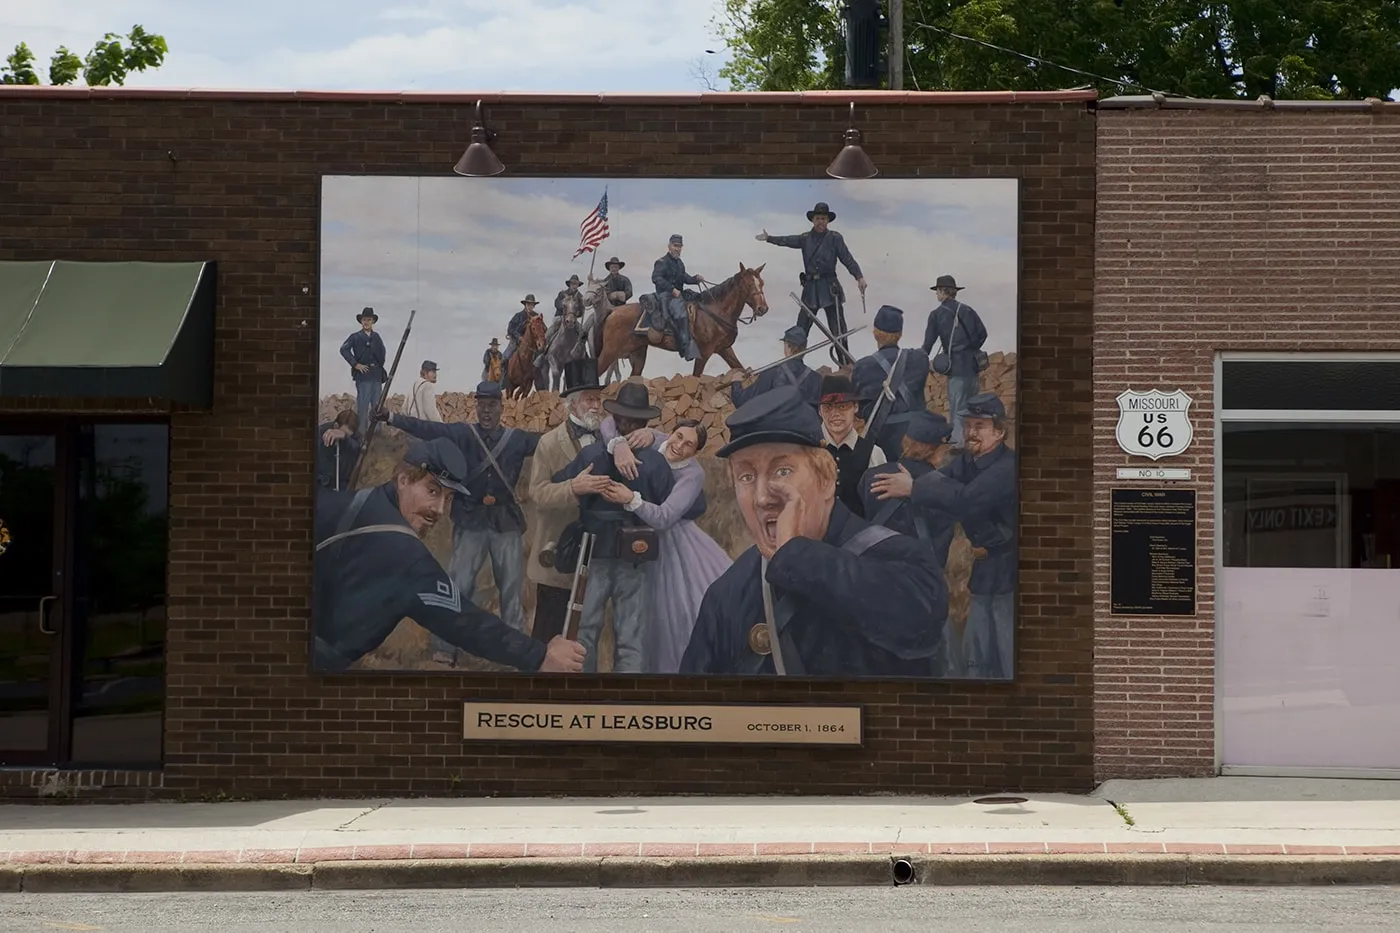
822, 327
383, 397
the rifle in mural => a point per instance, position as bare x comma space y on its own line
750, 373
383, 398
840, 349
579, 589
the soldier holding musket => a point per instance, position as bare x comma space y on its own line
821, 289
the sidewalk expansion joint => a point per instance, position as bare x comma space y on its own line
363, 813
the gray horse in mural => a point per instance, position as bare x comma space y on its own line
598, 310
569, 341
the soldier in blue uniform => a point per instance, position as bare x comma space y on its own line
978, 489
853, 451
492, 355
822, 248
337, 450
486, 519
822, 592
515, 330
670, 278
615, 574
793, 372
870, 372
364, 351
961, 332
568, 294
617, 288
373, 570
886, 490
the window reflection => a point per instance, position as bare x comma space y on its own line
1311, 495
122, 534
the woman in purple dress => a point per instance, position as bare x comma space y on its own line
689, 561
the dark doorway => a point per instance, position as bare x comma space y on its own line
84, 510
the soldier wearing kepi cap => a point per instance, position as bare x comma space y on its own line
373, 570
821, 592
486, 519
794, 372
978, 490
886, 490
910, 378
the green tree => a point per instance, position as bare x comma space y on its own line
109, 62
1298, 49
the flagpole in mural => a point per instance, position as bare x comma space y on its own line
593, 231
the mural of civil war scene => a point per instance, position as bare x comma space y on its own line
667, 426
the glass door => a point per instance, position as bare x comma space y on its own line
32, 611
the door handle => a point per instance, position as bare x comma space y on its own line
43, 616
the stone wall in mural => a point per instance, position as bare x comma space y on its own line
667, 426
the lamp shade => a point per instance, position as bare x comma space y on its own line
478, 160
851, 161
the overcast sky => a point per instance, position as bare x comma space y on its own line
465, 251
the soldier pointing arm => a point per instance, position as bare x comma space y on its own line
821, 248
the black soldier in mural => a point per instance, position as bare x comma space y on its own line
821, 592
794, 371
487, 521
978, 490
853, 451
910, 368
822, 248
364, 351
669, 277
373, 570
515, 330
618, 573
617, 288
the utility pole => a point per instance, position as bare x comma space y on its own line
896, 50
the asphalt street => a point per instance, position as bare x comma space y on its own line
799, 910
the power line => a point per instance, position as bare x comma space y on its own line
1038, 61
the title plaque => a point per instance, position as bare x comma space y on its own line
678, 724
1152, 568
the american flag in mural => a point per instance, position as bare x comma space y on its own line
594, 229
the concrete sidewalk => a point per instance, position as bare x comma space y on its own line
1264, 830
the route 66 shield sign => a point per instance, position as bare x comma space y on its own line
1154, 424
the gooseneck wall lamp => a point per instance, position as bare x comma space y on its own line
851, 161
479, 160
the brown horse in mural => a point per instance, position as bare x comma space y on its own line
714, 322
520, 375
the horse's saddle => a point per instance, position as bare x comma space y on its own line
655, 321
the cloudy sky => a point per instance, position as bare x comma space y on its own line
464, 251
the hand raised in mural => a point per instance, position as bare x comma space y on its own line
798, 518
625, 460
379, 414
762, 237
587, 482
562, 656
898, 485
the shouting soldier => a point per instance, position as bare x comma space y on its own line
373, 570
821, 290
821, 592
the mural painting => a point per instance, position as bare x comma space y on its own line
667, 426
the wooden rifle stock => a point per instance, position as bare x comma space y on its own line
577, 592
383, 397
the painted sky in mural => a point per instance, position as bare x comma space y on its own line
465, 251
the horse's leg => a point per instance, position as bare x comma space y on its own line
727, 354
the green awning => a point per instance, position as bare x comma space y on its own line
107, 330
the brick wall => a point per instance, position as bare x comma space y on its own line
1217, 231
121, 175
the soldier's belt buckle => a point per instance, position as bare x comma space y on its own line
639, 547
760, 642
488, 500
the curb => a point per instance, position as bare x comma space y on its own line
739, 872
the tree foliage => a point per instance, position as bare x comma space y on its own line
109, 62
1287, 49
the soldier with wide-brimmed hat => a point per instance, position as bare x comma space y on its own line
364, 351
617, 288
515, 330
822, 248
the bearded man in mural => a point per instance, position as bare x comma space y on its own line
821, 592
373, 570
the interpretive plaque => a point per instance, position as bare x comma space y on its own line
1152, 569
675, 724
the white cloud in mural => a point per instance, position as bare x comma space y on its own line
465, 251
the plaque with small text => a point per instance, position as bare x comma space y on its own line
1152, 569
686, 724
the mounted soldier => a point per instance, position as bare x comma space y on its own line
670, 278
515, 330
617, 288
821, 289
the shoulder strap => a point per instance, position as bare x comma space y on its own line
887, 509
866, 538
353, 511
364, 530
